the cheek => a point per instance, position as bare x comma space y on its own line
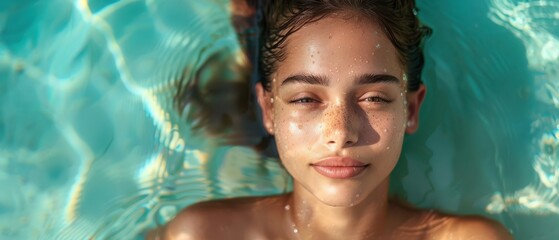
390, 127
292, 129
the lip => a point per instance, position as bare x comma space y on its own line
339, 167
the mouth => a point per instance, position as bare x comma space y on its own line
339, 168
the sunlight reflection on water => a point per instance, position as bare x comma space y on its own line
91, 144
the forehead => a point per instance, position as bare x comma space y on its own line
338, 45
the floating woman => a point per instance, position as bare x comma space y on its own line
340, 89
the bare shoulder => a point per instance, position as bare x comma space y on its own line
476, 227
218, 219
446, 226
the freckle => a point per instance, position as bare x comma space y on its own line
312, 62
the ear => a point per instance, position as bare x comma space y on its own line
415, 99
266, 105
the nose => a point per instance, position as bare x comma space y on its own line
341, 126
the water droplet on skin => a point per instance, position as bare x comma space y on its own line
295, 230
387, 148
272, 100
384, 70
308, 225
373, 53
366, 61
385, 130
287, 207
357, 195
378, 45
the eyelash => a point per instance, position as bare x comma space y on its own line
305, 100
377, 99
374, 99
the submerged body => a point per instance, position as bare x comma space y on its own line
338, 105
272, 218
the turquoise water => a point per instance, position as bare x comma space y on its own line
91, 145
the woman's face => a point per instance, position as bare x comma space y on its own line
339, 109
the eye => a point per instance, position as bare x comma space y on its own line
303, 100
377, 99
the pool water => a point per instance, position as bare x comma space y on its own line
92, 146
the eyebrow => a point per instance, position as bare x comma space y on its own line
377, 78
324, 81
308, 79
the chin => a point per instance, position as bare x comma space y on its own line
341, 196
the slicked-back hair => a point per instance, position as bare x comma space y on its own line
397, 19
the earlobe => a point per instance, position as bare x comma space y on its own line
265, 101
415, 99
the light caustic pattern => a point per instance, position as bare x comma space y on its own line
90, 146
94, 148
536, 24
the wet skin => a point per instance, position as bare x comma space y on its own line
339, 94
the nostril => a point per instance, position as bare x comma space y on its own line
349, 142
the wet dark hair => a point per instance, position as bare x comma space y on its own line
397, 18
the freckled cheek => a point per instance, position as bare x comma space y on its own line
389, 126
293, 128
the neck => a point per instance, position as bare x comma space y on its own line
307, 217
